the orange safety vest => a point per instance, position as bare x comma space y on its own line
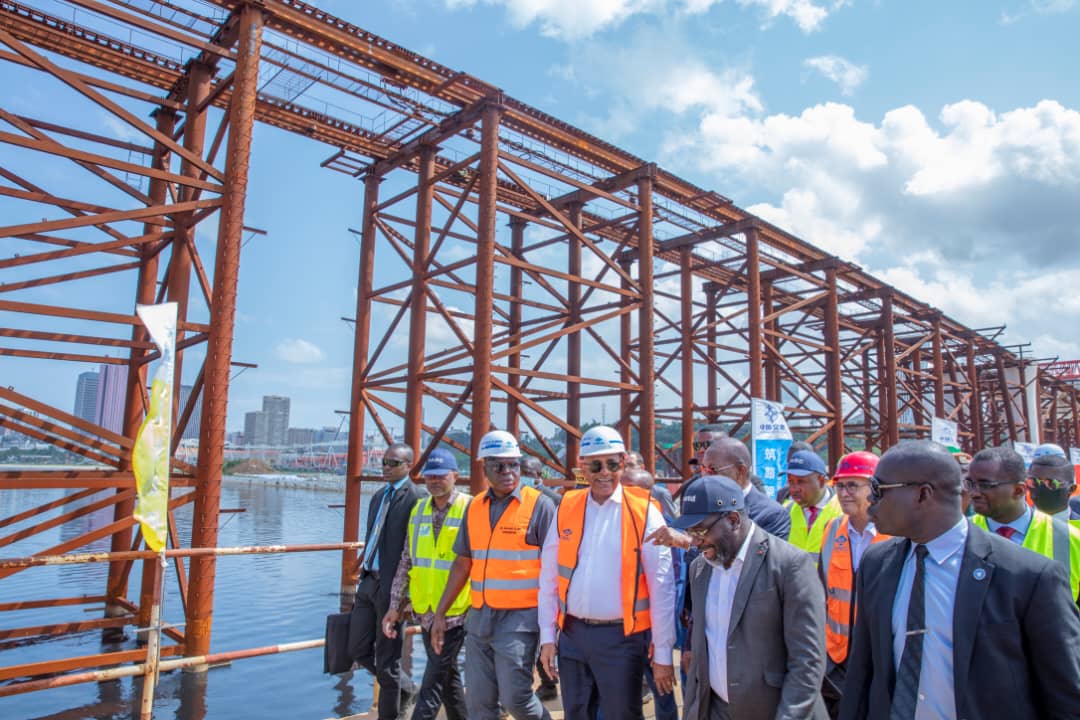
570, 521
836, 564
505, 570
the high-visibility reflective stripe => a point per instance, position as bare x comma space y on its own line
566, 572
482, 554
827, 547
1061, 544
836, 627
433, 563
493, 584
641, 605
842, 594
562, 607
452, 522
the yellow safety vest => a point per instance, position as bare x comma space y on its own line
432, 557
1055, 540
811, 539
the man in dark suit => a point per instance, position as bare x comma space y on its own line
953, 621
758, 650
730, 457
387, 522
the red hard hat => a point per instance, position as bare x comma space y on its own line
857, 464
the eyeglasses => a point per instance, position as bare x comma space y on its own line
701, 445
502, 465
389, 462
1048, 483
700, 533
983, 486
611, 464
878, 488
716, 470
848, 487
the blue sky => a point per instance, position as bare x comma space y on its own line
935, 143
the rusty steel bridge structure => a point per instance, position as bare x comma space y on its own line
562, 271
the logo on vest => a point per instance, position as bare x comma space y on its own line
566, 534
841, 541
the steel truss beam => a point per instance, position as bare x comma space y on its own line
540, 272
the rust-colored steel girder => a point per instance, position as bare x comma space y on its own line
618, 286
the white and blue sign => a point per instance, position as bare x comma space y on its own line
770, 438
1026, 451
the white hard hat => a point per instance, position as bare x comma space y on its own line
498, 443
1048, 449
601, 440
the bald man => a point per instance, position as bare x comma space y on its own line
730, 458
954, 621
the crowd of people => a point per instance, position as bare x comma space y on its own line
921, 585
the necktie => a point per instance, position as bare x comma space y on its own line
813, 511
906, 696
1005, 531
372, 545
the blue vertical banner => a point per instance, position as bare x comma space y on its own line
770, 439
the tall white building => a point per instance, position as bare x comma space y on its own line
86, 395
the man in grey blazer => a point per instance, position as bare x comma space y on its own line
758, 629
983, 629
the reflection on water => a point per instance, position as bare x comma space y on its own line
259, 600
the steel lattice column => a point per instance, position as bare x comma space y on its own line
414, 387
833, 381
647, 372
487, 188
204, 532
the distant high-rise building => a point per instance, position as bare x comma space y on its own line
86, 394
112, 392
300, 436
191, 432
329, 433
255, 425
276, 409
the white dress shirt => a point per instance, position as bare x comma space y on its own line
718, 601
860, 541
594, 592
936, 698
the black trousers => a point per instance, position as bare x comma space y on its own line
601, 670
376, 653
442, 684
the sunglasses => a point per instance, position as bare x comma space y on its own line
702, 444
503, 465
394, 463
717, 469
611, 464
982, 486
878, 488
700, 533
1048, 483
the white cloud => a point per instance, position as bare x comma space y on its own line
297, 351
976, 183
846, 74
568, 19
638, 75
1052, 6
573, 20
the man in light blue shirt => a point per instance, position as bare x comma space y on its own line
955, 622
936, 697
